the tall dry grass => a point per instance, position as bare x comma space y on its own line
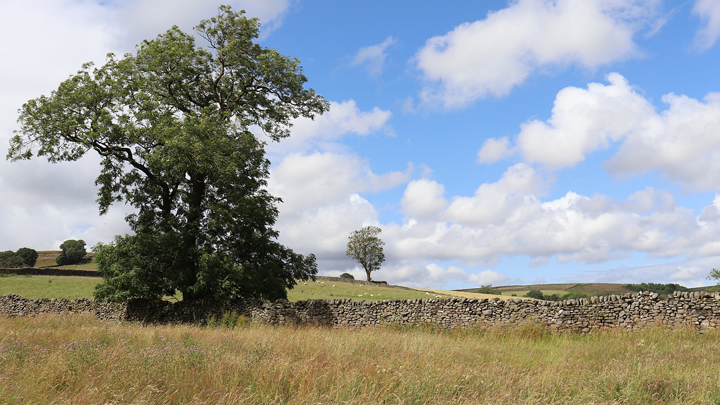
77, 359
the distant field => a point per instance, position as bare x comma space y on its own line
82, 287
46, 258
34, 287
589, 289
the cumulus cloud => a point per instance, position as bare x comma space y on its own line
682, 142
420, 274
709, 12
423, 198
491, 56
145, 19
344, 118
373, 56
306, 181
488, 277
495, 149
509, 217
492, 202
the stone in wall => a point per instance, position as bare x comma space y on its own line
630, 311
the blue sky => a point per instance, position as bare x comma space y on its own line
494, 142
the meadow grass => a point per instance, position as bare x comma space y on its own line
82, 287
77, 359
340, 290
33, 287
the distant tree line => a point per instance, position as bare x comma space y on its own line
23, 257
663, 290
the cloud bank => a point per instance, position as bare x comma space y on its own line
491, 56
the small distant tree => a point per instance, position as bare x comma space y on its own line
28, 256
366, 247
488, 289
73, 252
8, 259
714, 275
537, 294
347, 276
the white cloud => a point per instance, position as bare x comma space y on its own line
491, 56
343, 118
508, 218
494, 201
488, 277
373, 56
306, 181
145, 19
709, 12
583, 121
682, 142
420, 274
494, 149
324, 230
423, 198
321, 200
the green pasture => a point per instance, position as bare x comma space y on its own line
82, 287
34, 287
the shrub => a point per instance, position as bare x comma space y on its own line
488, 289
73, 252
573, 296
537, 294
227, 320
347, 276
9, 259
28, 256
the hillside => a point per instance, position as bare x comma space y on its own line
589, 289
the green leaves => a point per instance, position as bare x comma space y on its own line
172, 125
366, 247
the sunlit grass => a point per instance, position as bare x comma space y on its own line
34, 287
81, 360
82, 287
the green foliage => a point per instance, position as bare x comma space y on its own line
366, 247
172, 124
9, 259
663, 290
714, 275
73, 252
537, 294
347, 276
29, 256
573, 296
228, 320
488, 289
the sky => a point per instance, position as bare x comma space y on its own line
493, 142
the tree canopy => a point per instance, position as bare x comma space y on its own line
366, 247
24, 257
173, 124
72, 252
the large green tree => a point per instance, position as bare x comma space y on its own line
366, 247
173, 124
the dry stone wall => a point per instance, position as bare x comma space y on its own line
630, 311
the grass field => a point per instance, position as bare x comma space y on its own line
589, 289
77, 359
82, 287
48, 286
